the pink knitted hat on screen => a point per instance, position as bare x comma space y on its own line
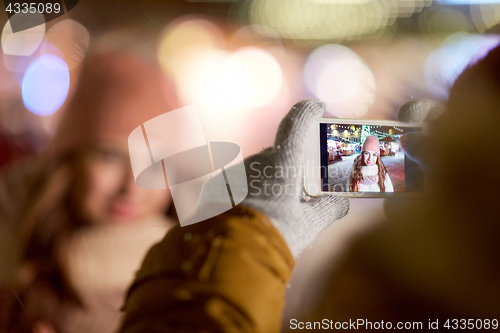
371, 143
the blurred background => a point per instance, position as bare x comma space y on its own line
244, 63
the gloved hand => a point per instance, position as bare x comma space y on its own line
275, 182
418, 147
417, 111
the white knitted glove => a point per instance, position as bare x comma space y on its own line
275, 182
417, 145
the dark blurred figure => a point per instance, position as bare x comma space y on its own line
81, 222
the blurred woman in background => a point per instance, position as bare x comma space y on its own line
83, 225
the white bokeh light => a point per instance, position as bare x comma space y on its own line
200, 77
216, 79
45, 85
25, 42
340, 78
252, 77
185, 38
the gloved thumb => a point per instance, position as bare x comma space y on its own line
294, 128
418, 146
420, 110
329, 208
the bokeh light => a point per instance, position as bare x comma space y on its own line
251, 78
184, 38
485, 15
465, 2
191, 52
439, 23
253, 35
331, 19
17, 64
199, 77
71, 38
25, 42
444, 65
45, 85
340, 78
248, 78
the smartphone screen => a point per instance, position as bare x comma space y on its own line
367, 158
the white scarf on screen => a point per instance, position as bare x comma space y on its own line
370, 174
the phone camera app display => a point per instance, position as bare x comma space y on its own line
367, 158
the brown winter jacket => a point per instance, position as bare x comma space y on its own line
226, 274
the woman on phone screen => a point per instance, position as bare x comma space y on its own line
369, 173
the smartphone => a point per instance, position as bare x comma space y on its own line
354, 157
